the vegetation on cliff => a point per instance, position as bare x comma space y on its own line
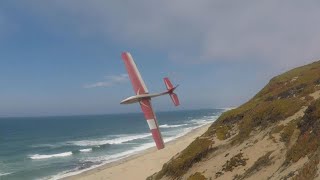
192, 154
308, 141
281, 98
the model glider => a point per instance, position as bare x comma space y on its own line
144, 98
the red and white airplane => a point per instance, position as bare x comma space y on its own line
144, 98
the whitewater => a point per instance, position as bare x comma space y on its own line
56, 147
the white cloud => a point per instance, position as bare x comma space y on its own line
110, 81
98, 84
284, 33
118, 79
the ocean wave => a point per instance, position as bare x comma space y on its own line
201, 121
39, 156
99, 161
127, 153
205, 119
115, 157
119, 140
227, 109
4, 174
121, 155
44, 145
86, 150
172, 126
182, 133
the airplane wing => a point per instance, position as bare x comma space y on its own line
138, 84
140, 88
152, 122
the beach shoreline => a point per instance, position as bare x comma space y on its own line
142, 164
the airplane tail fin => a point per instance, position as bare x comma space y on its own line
171, 88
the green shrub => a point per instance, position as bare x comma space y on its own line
197, 176
306, 144
277, 129
288, 131
283, 96
266, 114
176, 167
257, 166
234, 162
309, 170
308, 141
311, 119
222, 132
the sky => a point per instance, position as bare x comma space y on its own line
64, 57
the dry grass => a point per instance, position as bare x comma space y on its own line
223, 132
308, 141
197, 176
309, 170
288, 131
257, 166
235, 161
282, 97
176, 167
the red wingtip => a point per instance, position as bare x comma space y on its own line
124, 55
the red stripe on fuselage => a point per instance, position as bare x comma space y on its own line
157, 138
149, 114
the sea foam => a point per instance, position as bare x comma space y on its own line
86, 150
126, 138
119, 140
39, 156
105, 160
172, 126
4, 174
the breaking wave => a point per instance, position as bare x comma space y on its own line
119, 140
86, 150
46, 156
4, 174
172, 126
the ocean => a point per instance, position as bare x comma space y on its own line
57, 147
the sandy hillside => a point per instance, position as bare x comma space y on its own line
275, 135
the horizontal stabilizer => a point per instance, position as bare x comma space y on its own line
175, 99
170, 89
168, 83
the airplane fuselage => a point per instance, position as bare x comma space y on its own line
139, 97
144, 98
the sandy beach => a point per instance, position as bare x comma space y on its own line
141, 165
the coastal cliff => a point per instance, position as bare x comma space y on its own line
275, 135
